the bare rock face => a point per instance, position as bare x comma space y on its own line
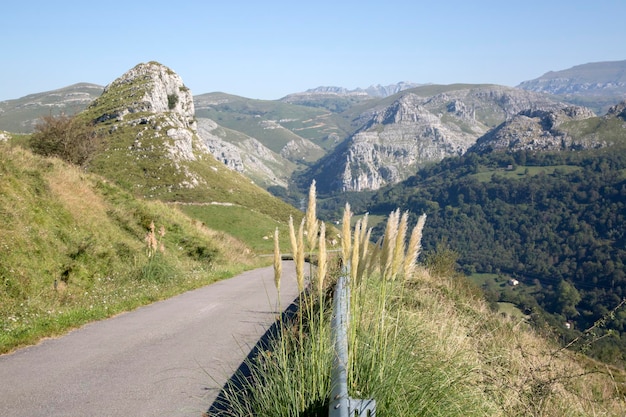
148, 115
298, 149
154, 88
248, 156
619, 110
415, 129
152, 95
223, 151
536, 130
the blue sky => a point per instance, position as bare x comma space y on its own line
268, 49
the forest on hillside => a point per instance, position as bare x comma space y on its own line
554, 221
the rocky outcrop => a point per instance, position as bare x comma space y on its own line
247, 155
299, 149
619, 110
536, 130
223, 151
153, 97
418, 128
148, 117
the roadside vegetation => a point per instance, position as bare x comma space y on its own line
73, 249
422, 341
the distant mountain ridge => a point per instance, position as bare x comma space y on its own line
364, 138
597, 78
415, 127
372, 91
20, 115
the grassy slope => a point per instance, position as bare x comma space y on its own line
59, 223
291, 121
87, 230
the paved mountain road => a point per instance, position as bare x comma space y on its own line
167, 359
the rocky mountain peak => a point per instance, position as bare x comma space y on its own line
153, 96
407, 109
619, 110
535, 130
152, 87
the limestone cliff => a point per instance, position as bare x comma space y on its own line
246, 154
148, 115
537, 130
420, 126
152, 95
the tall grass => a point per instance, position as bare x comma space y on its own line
420, 344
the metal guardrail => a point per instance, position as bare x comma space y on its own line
341, 405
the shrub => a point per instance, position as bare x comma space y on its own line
67, 137
172, 100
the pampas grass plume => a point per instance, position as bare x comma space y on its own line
278, 265
354, 263
322, 264
415, 247
312, 224
299, 256
346, 235
292, 237
398, 252
389, 244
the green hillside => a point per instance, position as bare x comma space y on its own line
87, 225
274, 123
73, 249
554, 221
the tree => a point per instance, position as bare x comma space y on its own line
67, 137
567, 297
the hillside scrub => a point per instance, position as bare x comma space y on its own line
423, 342
66, 137
73, 249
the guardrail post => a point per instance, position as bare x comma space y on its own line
341, 405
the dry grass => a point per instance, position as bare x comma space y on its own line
74, 190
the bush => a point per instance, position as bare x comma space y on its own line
172, 100
67, 137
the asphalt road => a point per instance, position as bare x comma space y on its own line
170, 358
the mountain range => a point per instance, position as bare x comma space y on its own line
361, 139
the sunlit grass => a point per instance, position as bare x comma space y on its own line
420, 344
72, 249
